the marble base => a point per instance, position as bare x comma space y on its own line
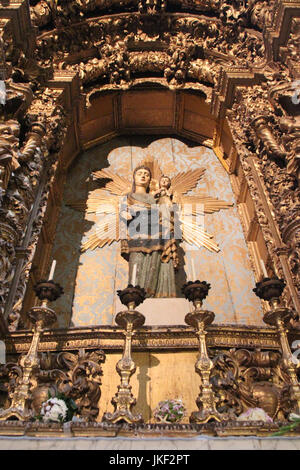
160, 311
161, 444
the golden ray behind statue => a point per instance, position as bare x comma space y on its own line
107, 206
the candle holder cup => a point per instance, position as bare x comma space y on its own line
129, 320
41, 317
48, 290
199, 319
270, 289
132, 296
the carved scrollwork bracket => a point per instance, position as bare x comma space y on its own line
76, 375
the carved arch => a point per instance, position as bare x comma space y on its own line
158, 110
195, 47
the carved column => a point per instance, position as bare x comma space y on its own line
291, 237
8, 237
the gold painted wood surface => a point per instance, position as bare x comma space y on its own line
159, 376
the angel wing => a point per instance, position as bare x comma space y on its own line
95, 198
194, 234
118, 185
106, 209
181, 183
193, 206
106, 232
185, 181
203, 204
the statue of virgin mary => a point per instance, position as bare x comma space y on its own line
153, 219
150, 255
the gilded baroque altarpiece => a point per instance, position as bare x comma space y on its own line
87, 85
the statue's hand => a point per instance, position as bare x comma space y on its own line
125, 215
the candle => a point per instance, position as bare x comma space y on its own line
188, 274
133, 279
262, 264
52, 270
193, 270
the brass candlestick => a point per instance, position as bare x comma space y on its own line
123, 401
41, 317
271, 289
206, 401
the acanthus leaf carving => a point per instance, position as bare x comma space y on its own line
245, 379
8, 238
75, 375
264, 133
151, 7
266, 143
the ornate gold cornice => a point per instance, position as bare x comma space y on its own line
224, 93
147, 338
16, 13
277, 34
151, 430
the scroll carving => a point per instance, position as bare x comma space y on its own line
289, 52
279, 136
285, 129
264, 133
151, 7
8, 238
166, 41
8, 152
189, 45
273, 151
117, 62
14, 315
10, 375
23, 155
241, 379
82, 380
246, 379
181, 54
20, 173
76, 375
260, 13
293, 245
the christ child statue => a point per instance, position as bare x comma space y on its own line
165, 193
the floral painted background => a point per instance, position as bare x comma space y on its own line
91, 279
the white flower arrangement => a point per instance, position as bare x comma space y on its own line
54, 410
255, 414
170, 411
